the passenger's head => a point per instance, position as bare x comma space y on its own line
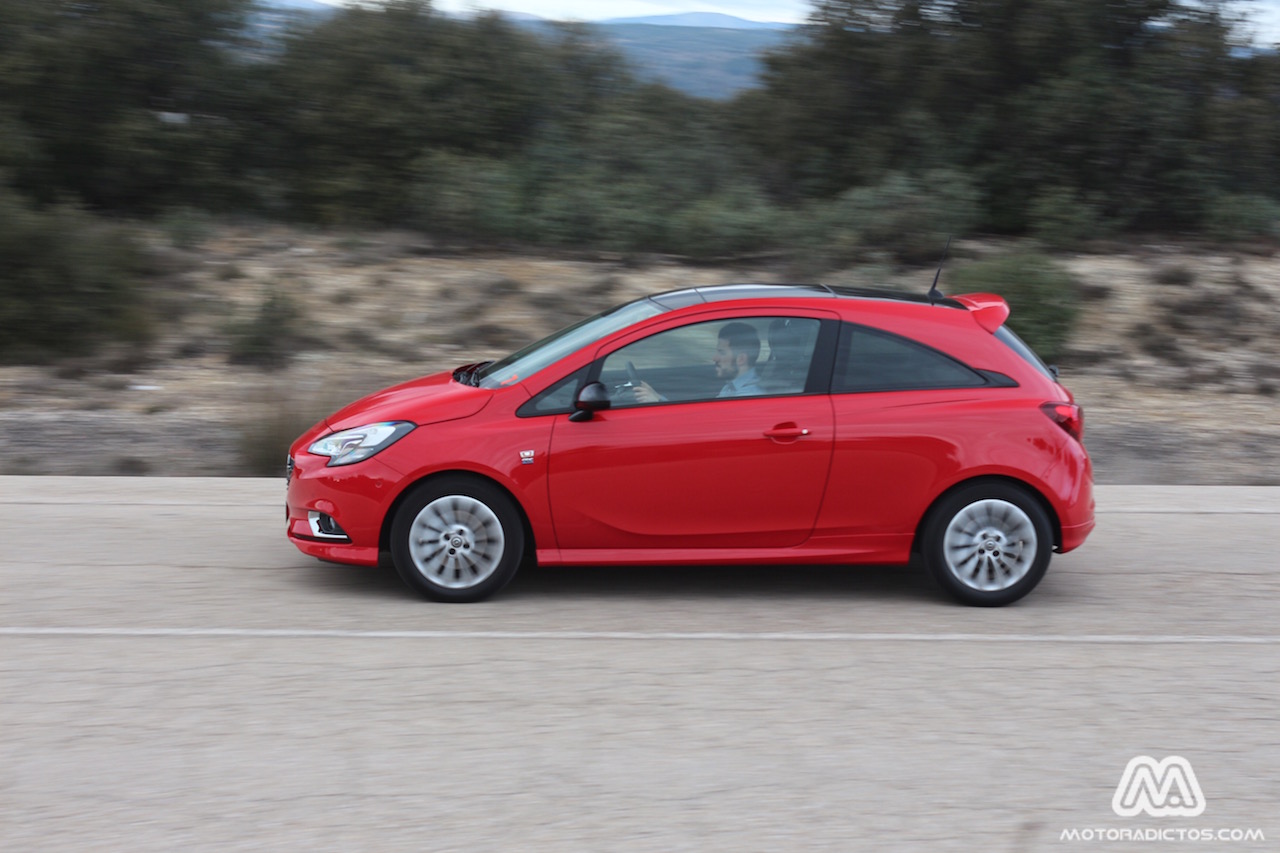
736, 350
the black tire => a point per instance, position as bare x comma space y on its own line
457, 539
987, 544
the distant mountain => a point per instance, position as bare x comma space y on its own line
520, 17
300, 5
699, 19
706, 62
703, 54
271, 19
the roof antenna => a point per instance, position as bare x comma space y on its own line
934, 293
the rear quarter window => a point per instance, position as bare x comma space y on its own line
873, 360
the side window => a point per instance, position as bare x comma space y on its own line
750, 357
872, 360
556, 399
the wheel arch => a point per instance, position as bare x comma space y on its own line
384, 534
1023, 485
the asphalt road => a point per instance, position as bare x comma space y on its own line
174, 675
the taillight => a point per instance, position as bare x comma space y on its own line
1069, 416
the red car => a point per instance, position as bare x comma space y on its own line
735, 424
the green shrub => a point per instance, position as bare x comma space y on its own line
68, 282
186, 227
1240, 216
460, 195
585, 210
268, 339
635, 216
629, 216
732, 222
1043, 297
1062, 219
908, 217
564, 216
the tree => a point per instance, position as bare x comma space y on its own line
362, 95
119, 96
1145, 108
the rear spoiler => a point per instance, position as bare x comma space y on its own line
989, 310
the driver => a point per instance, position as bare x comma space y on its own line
737, 349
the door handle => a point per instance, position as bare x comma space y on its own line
786, 431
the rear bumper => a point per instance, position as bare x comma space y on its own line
1073, 536
1070, 483
1076, 515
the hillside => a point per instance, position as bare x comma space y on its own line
707, 62
707, 55
700, 19
1175, 359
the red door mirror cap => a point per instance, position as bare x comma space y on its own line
989, 310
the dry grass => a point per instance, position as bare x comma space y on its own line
1202, 359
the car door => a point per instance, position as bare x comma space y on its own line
694, 469
902, 410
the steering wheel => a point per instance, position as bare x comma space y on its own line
626, 390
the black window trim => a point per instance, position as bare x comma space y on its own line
529, 408
985, 378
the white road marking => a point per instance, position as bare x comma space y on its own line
731, 636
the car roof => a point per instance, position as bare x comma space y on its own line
683, 298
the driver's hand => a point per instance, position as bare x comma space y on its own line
645, 394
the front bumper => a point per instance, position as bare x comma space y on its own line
356, 497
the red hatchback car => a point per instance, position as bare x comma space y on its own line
733, 424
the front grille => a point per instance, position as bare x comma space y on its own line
288, 469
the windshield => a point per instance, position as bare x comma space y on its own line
521, 365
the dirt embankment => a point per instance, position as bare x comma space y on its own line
1176, 359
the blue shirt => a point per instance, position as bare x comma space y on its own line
744, 386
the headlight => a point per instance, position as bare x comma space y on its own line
352, 445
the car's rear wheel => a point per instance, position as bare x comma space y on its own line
988, 544
457, 539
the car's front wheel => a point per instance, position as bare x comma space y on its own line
457, 539
988, 544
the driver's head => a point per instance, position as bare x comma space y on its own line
736, 350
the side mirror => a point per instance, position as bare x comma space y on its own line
593, 397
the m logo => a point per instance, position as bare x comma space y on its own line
1165, 788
